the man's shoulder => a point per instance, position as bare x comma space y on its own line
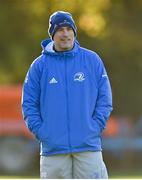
88, 52
38, 60
38, 63
91, 55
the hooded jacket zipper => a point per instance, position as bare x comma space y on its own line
67, 108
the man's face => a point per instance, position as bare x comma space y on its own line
64, 39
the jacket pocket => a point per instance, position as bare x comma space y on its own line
42, 134
96, 127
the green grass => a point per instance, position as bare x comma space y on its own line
111, 177
126, 177
126, 174
19, 177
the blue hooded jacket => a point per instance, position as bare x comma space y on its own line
67, 100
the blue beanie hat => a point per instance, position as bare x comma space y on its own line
60, 19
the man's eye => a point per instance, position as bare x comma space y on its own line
60, 29
69, 28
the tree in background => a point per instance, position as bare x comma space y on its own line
111, 28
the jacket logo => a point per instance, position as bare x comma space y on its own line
53, 81
79, 76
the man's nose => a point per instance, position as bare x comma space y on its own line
65, 33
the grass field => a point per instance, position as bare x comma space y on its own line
32, 177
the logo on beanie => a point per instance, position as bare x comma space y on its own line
64, 22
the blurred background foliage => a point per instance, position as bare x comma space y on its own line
111, 28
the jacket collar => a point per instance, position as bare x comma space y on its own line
47, 48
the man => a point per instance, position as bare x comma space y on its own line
66, 103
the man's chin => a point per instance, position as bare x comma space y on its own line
66, 48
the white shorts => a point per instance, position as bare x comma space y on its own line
84, 165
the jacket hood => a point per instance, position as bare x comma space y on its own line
47, 48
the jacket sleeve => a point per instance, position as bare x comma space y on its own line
103, 106
31, 99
